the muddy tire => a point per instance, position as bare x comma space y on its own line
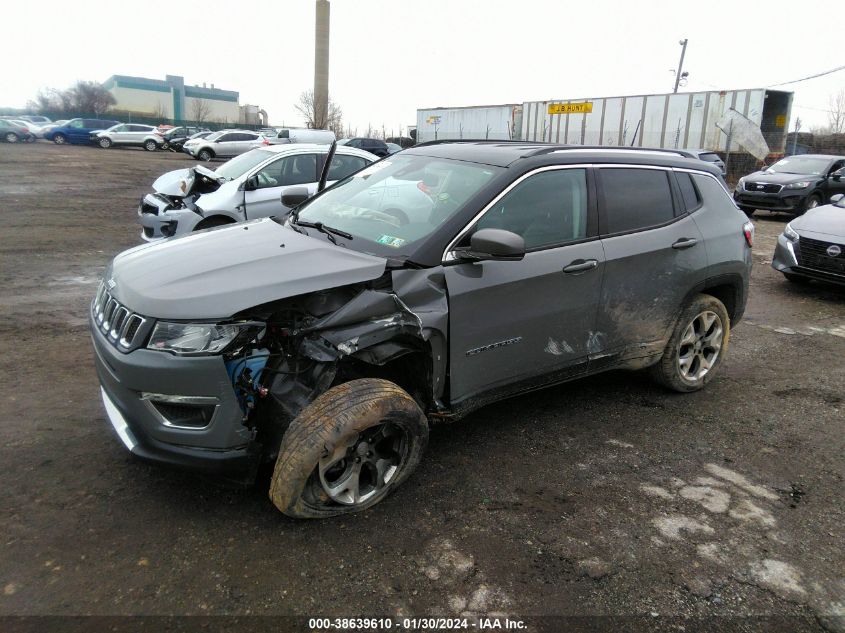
348, 450
697, 346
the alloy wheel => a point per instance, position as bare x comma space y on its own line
700, 346
11, 138
364, 466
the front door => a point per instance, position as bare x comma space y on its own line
530, 321
272, 181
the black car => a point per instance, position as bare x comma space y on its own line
176, 137
794, 184
371, 145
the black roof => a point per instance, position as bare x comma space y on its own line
505, 153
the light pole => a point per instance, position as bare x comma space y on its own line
678, 74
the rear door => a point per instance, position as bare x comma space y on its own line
522, 323
77, 132
273, 179
226, 144
655, 256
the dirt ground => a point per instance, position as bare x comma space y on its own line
603, 497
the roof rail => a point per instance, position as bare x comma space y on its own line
481, 140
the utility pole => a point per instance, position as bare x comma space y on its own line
678, 75
321, 65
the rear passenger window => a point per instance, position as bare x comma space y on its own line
688, 191
546, 209
636, 198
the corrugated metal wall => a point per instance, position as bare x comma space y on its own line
685, 120
483, 122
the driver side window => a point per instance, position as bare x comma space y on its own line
292, 170
546, 209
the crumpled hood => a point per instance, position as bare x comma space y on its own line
217, 273
780, 179
179, 182
828, 222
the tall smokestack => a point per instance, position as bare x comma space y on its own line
321, 65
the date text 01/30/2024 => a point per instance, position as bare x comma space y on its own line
415, 624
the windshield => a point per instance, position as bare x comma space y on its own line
214, 136
799, 165
239, 165
398, 201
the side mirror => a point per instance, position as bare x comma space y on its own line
251, 183
837, 175
837, 198
292, 197
495, 244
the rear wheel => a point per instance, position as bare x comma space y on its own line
60, 139
348, 450
11, 137
697, 346
749, 211
205, 155
105, 143
150, 145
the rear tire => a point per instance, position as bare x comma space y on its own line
205, 155
60, 139
150, 146
749, 211
105, 143
697, 346
11, 137
348, 450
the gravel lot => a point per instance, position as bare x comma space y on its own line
606, 496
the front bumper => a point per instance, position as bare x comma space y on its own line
158, 220
786, 200
224, 445
786, 261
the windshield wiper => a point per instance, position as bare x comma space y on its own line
329, 231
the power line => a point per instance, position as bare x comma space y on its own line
795, 81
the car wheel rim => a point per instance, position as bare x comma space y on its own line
813, 203
150, 146
365, 466
59, 139
104, 143
11, 138
700, 346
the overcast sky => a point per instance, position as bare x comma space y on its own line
390, 57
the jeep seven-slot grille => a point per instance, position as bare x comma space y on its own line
118, 323
814, 254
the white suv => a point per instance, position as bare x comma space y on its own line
225, 143
136, 134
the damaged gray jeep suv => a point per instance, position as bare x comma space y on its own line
423, 287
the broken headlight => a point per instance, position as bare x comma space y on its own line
191, 339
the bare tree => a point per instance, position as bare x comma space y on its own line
306, 109
90, 96
200, 111
159, 112
836, 115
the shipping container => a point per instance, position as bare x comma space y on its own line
494, 122
682, 120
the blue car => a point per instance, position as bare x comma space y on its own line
77, 130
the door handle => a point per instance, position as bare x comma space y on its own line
580, 266
685, 242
